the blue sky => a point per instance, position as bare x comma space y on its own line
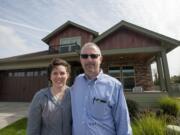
23, 23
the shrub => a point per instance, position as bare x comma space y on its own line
133, 108
169, 106
149, 125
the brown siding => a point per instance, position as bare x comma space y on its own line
123, 38
70, 32
20, 88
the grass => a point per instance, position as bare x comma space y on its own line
149, 125
16, 128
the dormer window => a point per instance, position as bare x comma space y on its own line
70, 44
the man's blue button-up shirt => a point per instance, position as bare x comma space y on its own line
99, 106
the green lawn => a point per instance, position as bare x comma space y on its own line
16, 128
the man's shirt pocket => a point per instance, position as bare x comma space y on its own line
99, 108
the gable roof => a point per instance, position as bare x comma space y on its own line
137, 29
65, 25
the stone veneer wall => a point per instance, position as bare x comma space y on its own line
143, 75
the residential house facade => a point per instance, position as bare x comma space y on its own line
128, 52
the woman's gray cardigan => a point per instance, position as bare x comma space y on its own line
50, 117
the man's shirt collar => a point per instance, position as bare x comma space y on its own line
97, 77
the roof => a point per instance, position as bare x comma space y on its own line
25, 56
123, 24
62, 27
137, 29
39, 56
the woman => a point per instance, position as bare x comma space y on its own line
50, 110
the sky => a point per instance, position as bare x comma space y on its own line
23, 23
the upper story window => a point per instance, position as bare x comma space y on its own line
70, 44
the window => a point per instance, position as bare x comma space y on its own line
27, 73
115, 72
10, 74
64, 48
70, 44
70, 40
30, 73
125, 74
19, 74
128, 77
35, 73
43, 73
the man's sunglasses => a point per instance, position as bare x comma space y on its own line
92, 56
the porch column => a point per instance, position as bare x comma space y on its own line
166, 70
160, 73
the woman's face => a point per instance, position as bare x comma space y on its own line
59, 76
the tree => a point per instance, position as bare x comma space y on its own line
175, 79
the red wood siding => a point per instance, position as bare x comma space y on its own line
20, 88
71, 32
124, 38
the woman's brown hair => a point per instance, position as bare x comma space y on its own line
57, 62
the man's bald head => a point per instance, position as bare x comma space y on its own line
91, 45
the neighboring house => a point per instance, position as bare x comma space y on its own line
128, 51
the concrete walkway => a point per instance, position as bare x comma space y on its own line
11, 112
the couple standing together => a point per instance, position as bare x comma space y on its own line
94, 105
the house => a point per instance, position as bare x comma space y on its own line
128, 51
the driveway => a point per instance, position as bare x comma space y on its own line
11, 112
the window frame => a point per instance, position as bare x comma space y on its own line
122, 77
69, 43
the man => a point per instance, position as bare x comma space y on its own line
98, 103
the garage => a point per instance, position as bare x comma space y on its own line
21, 85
